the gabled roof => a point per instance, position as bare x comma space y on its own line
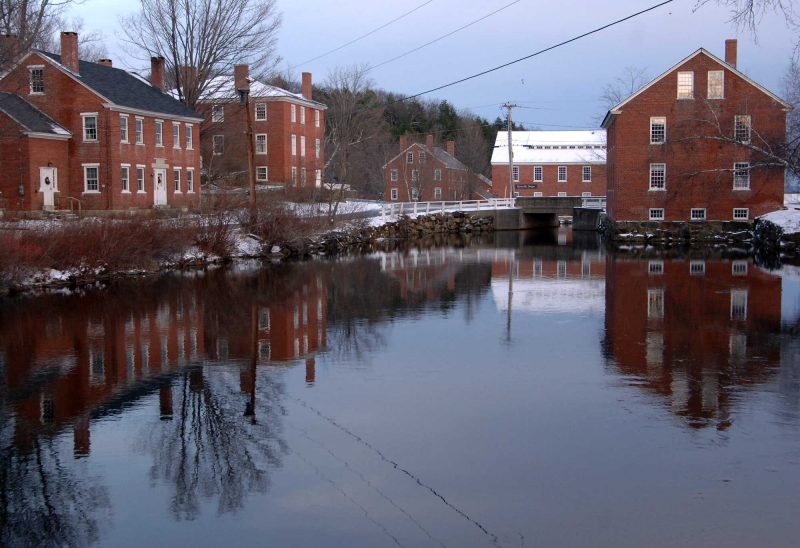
30, 118
439, 153
703, 51
223, 88
551, 147
124, 89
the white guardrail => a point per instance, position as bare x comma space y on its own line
594, 202
409, 208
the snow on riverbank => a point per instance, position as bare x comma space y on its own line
788, 219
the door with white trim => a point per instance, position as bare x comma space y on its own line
159, 187
48, 186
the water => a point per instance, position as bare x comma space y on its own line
395, 400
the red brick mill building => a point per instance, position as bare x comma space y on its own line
76, 132
693, 145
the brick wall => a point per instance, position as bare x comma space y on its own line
550, 185
453, 183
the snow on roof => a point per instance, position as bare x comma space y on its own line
552, 147
551, 296
222, 88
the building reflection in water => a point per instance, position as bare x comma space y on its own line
693, 331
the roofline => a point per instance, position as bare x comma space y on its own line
54, 136
287, 98
421, 145
615, 110
587, 163
114, 107
28, 131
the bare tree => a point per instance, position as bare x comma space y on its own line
91, 45
32, 22
208, 35
791, 82
747, 14
623, 86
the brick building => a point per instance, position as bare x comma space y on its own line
691, 144
288, 131
551, 163
424, 172
75, 131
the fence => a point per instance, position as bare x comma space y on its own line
413, 208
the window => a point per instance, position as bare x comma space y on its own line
738, 304
741, 131
139, 128
422, 157
89, 127
437, 174
394, 194
587, 174
538, 265
741, 176
538, 194
697, 268
739, 268
658, 130
658, 176
698, 214
562, 194
294, 113
437, 193
123, 128
562, 174
294, 144
515, 173
741, 214
685, 85
657, 214
176, 135
219, 144
176, 179
303, 176
316, 118
261, 111
218, 113
561, 266
159, 133
415, 194
716, 84
318, 177
189, 140
409, 157
91, 178
655, 268
303, 146
139, 178
294, 175
125, 178
36, 79
190, 180
317, 148
393, 175
261, 173
537, 174
302, 115
586, 194
655, 303
414, 175
261, 143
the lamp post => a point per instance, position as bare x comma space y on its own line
244, 100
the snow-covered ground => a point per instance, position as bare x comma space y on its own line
788, 219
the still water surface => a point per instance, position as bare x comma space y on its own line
417, 398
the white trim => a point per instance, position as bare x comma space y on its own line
558, 174
652, 118
266, 173
39, 135
708, 85
144, 178
84, 116
650, 216
692, 211
255, 143
85, 182
189, 137
745, 209
127, 139
174, 145
190, 189
255, 113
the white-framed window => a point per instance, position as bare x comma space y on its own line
586, 194
415, 193
294, 175
393, 175
587, 174
655, 303
303, 176
219, 144
410, 157
561, 266
91, 178
538, 194
293, 144
698, 214
655, 267
176, 135
658, 130
562, 194
189, 180
262, 173
261, 143
318, 177
422, 157
741, 214
125, 178
437, 174
303, 145
658, 176
741, 176
741, 128
739, 268
140, 179
317, 148
316, 118
159, 133
716, 84
303, 115
656, 213
294, 113
218, 113
562, 174
189, 139
537, 174
437, 193
176, 179
139, 129
515, 173
686, 85
414, 175
261, 112
697, 268
123, 128
36, 79
89, 126
394, 194
739, 304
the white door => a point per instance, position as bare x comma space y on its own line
48, 185
159, 187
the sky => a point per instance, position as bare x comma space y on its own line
559, 89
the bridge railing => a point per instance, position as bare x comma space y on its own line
414, 208
594, 202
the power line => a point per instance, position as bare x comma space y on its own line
565, 42
426, 44
373, 31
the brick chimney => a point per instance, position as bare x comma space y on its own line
188, 76
241, 77
730, 52
9, 47
403, 143
105, 62
69, 51
307, 91
157, 69
451, 148
429, 140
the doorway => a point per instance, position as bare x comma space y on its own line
159, 187
48, 186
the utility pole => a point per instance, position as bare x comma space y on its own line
508, 107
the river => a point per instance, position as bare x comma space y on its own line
414, 398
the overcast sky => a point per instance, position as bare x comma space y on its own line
558, 88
